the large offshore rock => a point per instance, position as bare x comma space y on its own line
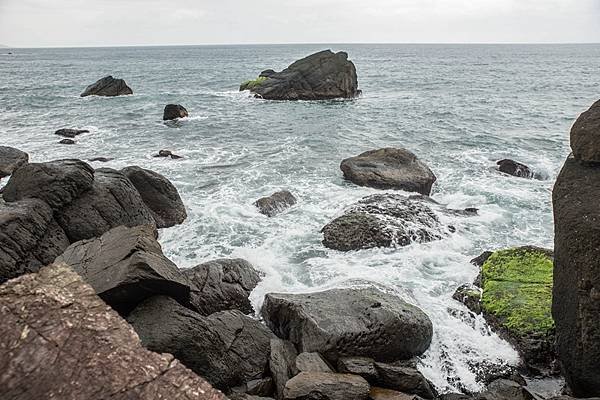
320, 76
227, 348
126, 266
585, 135
112, 201
58, 340
58, 182
107, 86
326, 386
389, 168
159, 194
11, 159
344, 322
576, 292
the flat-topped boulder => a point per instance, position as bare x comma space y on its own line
70, 133
320, 76
585, 135
107, 86
174, 111
275, 203
344, 322
11, 159
389, 168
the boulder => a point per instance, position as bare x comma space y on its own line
389, 168
58, 340
167, 153
67, 141
312, 362
383, 220
226, 348
112, 201
576, 292
173, 111
58, 183
504, 389
253, 388
326, 386
282, 364
585, 135
363, 366
11, 159
275, 203
126, 266
159, 194
70, 133
223, 284
349, 322
107, 86
514, 168
377, 393
470, 296
320, 76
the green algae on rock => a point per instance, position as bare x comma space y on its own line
252, 84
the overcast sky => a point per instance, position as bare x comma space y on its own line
160, 22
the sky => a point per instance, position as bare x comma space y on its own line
58, 23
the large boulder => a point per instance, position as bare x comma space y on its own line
227, 348
326, 386
112, 201
275, 203
174, 111
58, 340
11, 159
320, 76
159, 194
107, 86
383, 220
576, 293
389, 168
223, 284
342, 322
126, 266
585, 135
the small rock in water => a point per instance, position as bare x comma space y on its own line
70, 133
107, 86
173, 111
514, 168
101, 159
67, 141
167, 153
275, 203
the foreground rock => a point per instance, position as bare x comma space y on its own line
576, 294
282, 364
349, 322
11, 159
585, 135
159, 194
107, 86
223, 284
320, 76
514, 168
383, 220
174, 111
59, 340
389, 168
126, 266
326, 386
227, 348
70, 133
275, 203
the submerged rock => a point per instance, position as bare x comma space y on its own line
514, 168
70, 133
67, 141
326, 386
275, 203
585, 135
101, 159
58, 340
389, 168
11, 159
173, 111
320, 76
349, 322
107, 86
167, 153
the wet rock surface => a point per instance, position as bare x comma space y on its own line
275, 203
173, 111
70, 133
585, 135
11, 159
107, 86
515, 168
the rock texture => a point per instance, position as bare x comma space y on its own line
282, 364
107, 86
343, 322
389, 168
174, 111
326, 386
320, 76
58, 340
159, 194
70, 133
275, 203
11, 159
585, 135
223, 284
514, 168
312, 362
67, 141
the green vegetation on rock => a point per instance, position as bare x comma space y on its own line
249, 85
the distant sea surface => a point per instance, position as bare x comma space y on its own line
460, 108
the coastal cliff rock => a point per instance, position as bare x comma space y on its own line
275, 203
174, 111
320, 76
107, 86
11, 159
349, 322
389, 168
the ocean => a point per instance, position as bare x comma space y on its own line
459, 108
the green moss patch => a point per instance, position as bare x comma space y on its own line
249, 85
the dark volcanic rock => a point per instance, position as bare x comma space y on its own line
126, 266
11, 159
326, 386
585, 135
159, 194
344, 322
227, 348
67, 141
58, 183
107, 86
514, 168
383, 220
173, 111
70, 133
223, 284
58, 340
576, 292
112, 201
282, 364
320, 76
275, 203
389, 168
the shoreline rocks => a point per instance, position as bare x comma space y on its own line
11, 159
174, 111
107, 86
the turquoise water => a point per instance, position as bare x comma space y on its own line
458, 107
